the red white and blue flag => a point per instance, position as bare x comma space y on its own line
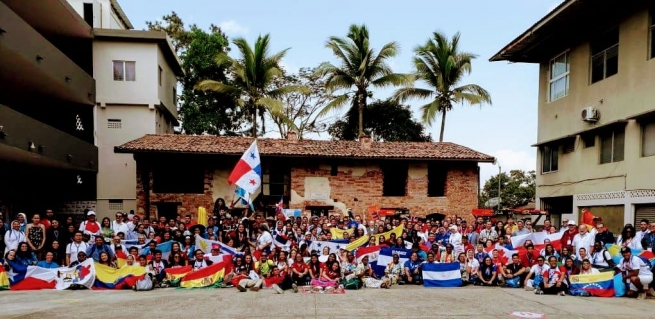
247, 174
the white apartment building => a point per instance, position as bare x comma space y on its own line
596, 108
135, 73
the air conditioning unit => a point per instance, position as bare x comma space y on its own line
590, 114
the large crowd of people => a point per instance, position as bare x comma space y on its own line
50, 243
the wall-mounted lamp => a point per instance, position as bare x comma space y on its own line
39, 58
31, 145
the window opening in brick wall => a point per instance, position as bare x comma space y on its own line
437, 173
334, 170
276, 180
394, 179
178, 180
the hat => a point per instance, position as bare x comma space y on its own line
216, 246
625, 250
571, 222
91, 213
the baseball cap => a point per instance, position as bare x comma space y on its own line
91, 213
571, 222
625, 250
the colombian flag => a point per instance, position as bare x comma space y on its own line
121, 258
4, 280
599, 285
175, 275
208, 277
122, 278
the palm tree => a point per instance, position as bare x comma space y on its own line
441, 66
360, 67
251, 79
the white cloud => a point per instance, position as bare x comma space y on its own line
232, 27
508, 160
290, 68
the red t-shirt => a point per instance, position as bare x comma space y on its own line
528, 260
299, 267
552, 275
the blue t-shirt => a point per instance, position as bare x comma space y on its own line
45, 264
412, 265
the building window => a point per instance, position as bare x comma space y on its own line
559, 77
611, 146
334, 170
116, 204
648, 139
549, 158
605, 55
88, 13
160, 75
175, 96
651, 33
589, 140
568, 146
276, 180
124, 71
437, 173
394, 179
178, 180
114, 124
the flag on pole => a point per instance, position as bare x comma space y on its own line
247, 174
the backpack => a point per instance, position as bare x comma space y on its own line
513, 282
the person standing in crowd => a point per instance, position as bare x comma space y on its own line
47, 220
603, 235
582, 239
643, 229
13, 237
628, 238
488, 233
94, 251
520, 229
569, 234
119, 225
90, 226
35, 235
75, 247
264, 239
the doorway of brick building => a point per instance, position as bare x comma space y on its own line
168, 209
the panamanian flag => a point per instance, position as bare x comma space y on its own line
247, 174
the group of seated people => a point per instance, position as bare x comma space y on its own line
545, 271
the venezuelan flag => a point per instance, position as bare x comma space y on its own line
175, 275
122, 278
4, 279
208, 277
599, 285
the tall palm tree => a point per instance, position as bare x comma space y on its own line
441, 66
360, 67
251, 79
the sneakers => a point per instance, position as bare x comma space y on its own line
651, 292
538, 292
294, 287
254, 289
561, 293
241, 288
641, 296
277, 289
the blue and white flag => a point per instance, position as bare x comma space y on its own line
386, 257
320, 245
165, 249
206, 246
441, 275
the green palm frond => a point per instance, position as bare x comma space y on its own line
409, 93
218, 87
429, 112
336, 104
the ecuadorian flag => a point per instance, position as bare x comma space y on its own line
599, 285
122, 278
208, 277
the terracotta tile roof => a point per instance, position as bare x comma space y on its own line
197, 144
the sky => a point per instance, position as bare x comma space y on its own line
504, 130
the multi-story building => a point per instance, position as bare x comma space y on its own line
596, 108
135, 73
47, 97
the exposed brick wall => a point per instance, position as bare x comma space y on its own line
189, 202
461, 190
362, 182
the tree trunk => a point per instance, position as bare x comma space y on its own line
254, 122
443, 125
361, 103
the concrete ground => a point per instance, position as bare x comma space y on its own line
397, 302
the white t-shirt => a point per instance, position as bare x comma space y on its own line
74, 248
539, 270
474, 264
598, 258
456, 241
590, 272
264, 239
585, 242
119, 228
633, 264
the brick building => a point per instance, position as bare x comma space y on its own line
178, 173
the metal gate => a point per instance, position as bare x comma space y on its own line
644, 212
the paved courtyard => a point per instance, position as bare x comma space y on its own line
398, 302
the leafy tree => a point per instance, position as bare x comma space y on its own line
252, 80
301, 109
441, 65
201, 112
385, 120
360, 68
516, 188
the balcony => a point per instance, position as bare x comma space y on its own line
30, 65
50, 17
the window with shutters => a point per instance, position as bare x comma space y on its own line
549, 158
605, 55
612, 144
648, 139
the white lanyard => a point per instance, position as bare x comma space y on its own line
198, 266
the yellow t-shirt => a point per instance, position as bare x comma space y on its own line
265, 269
